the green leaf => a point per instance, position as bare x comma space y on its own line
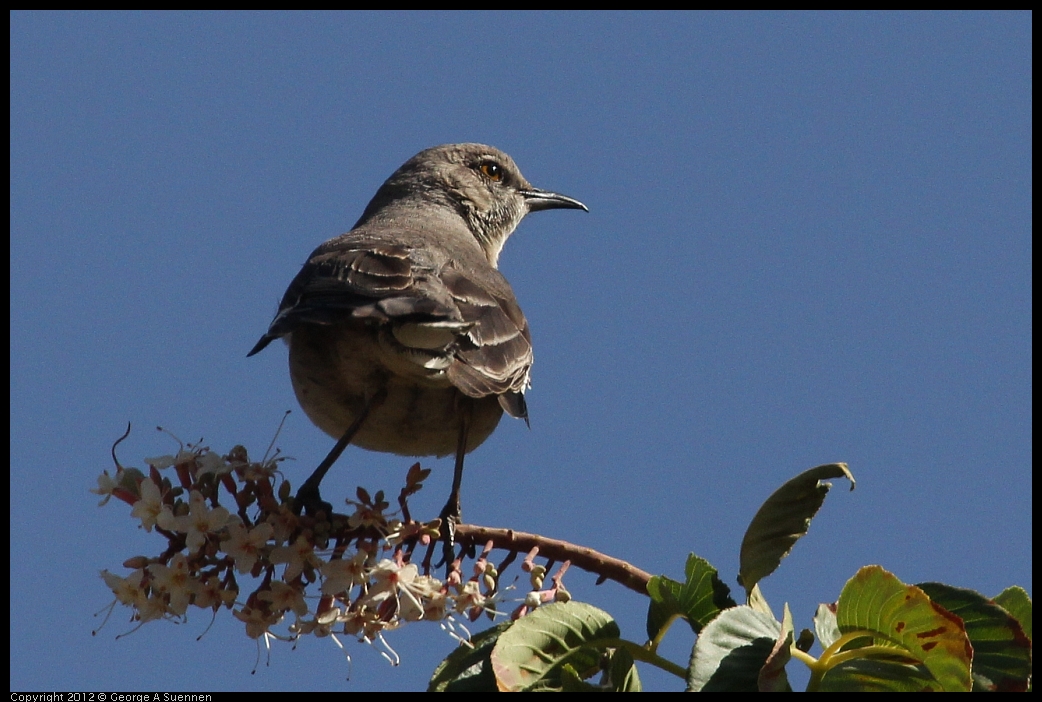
878, 675
468, 669
698, 599
825, 625
909, 638
757, 601
571, 682
1015, 600
805, 640
531, 653
731, 650
1001, 650
783, 520
619, 674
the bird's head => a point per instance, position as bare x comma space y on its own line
480, 184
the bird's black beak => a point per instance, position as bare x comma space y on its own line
545, 200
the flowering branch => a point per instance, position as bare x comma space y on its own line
606, 567
355, 574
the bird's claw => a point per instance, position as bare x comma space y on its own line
309, 499
450, 517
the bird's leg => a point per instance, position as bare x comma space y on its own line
308, 496
450, 514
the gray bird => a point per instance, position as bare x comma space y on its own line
403, 336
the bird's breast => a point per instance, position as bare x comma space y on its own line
337, 369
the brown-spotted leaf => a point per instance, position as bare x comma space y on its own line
905, 629
772, 677
1001, 650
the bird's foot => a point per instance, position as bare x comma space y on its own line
450, 517
310, 501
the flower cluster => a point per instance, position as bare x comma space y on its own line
318, 575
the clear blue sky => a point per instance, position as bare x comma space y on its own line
809, 240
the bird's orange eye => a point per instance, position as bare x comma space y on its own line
492, 169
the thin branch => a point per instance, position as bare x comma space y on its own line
581, 557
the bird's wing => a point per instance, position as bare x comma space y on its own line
342, 279
494, 354
467, 324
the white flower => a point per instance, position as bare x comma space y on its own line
175, 580
149, 506
246, 545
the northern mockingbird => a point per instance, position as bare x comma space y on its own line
403, 336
